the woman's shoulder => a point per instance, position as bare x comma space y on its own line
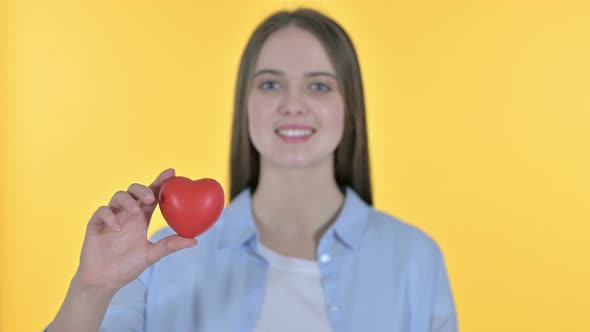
401, 233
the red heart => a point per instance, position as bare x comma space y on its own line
191, 207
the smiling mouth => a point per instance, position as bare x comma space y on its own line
295, 132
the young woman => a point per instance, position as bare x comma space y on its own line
300, 247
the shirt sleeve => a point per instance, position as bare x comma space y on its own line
126, 312
444, 315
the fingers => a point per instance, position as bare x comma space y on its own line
168, 245
141, 193
130, 201
122, 200
104, 215
165, 175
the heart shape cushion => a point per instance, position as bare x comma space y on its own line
191, 207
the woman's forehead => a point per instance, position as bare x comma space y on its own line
293, 50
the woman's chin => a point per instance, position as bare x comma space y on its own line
299, 162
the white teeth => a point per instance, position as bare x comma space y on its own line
295, 132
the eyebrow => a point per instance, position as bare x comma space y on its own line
308, 74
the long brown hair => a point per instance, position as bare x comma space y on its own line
351, 159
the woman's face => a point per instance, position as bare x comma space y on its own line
295, 107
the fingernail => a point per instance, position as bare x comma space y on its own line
116, 226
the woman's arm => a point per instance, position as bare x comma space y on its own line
82, 310
94, 310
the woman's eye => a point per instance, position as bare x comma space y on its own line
269, 85
320, 87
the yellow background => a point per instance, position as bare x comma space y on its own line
478, 113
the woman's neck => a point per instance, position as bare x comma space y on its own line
296, 203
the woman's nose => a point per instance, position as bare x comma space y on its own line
293, 104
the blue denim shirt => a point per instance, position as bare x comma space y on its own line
378, 274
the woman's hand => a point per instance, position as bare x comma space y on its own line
116, 249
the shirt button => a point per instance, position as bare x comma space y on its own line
334, 308
325, 258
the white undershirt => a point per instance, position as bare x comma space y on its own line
293, 298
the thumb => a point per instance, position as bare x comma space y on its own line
168, 245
